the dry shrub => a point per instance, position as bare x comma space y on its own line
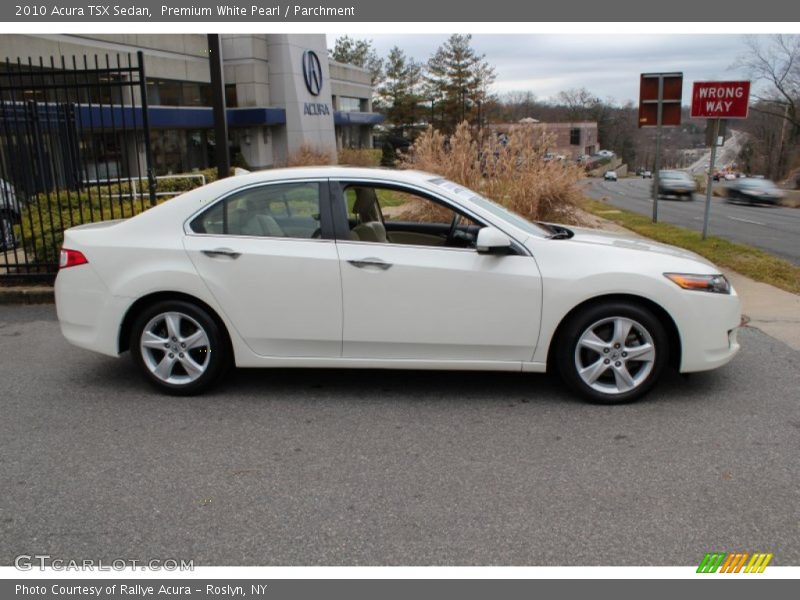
514, 174
309, 156
360, 157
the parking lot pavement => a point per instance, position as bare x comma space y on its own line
356, 467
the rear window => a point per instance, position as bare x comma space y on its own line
279, 210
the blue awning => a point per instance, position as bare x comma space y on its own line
93, 116
179, 117
256, 116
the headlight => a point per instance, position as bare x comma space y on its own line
704, 283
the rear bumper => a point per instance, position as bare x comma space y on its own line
88, 314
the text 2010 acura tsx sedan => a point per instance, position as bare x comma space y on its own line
365, 268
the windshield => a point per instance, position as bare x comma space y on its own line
765, 184
490, 206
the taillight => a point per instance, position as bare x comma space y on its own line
71, 258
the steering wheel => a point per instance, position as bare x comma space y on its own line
451, 234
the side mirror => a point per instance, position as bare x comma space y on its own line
492, 241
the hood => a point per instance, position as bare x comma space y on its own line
598, 237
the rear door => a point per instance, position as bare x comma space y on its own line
268, 256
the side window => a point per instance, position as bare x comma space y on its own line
391, 215
281, 210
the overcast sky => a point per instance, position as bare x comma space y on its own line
607, 65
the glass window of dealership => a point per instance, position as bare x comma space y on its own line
260, 90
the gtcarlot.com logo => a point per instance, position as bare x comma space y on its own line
28, 562
734, 562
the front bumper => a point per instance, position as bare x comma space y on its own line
709, 331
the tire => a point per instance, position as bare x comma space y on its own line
588, 340
179, 348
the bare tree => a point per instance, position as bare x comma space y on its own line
774, 65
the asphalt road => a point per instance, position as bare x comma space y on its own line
391, 468
775, 229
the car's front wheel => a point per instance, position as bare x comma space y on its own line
179, 347
612, 353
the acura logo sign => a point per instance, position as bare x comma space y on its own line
312, 72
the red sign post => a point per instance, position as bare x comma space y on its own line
659, 105
715, 101
720, 99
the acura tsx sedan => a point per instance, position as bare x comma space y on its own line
369, 268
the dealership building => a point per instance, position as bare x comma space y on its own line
568, 139
282, 93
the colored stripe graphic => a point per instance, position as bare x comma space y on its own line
711, 562
758, 563
734, 562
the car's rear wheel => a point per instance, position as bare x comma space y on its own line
179, 347
612, 353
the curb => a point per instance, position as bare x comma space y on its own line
27, 295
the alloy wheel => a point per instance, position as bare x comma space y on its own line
175, 348
615, 355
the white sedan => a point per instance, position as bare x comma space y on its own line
366, 268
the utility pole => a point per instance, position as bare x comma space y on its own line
218, 102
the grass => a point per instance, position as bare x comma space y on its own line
513, 171
747, 260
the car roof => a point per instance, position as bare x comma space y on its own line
410, 175
222, 187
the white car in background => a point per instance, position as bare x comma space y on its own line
369, 268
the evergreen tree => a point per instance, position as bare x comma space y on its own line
457, 82
399, 95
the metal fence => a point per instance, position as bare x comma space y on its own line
74, 148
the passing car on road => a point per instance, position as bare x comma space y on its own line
9, 215
647, 174
676, 184
755, 190
368, 268
610, 176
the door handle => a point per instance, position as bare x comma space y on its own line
226, 252
371, 262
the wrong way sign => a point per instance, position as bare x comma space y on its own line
720, 99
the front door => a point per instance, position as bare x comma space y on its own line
414, 287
